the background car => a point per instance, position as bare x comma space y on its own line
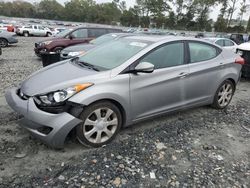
237, 38
80, 49
33, 30
55, 31
7, 38
123, 82
71, 37
224, 43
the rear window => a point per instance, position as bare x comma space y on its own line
229, 43
220, 43
201, 52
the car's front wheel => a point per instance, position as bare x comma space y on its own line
101, 123
224, 95
3, 43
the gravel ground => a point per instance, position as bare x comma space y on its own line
200, 147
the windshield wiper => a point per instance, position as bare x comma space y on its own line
84, 64
89, 66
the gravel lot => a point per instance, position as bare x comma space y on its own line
193, 148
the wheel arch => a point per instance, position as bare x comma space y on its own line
117, 104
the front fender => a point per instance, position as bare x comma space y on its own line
116, 89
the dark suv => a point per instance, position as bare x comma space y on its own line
237, 38
71, 37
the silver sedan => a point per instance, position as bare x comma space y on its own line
123, 82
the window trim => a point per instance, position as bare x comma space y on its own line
131, 67
218, 50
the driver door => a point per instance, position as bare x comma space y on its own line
164, 89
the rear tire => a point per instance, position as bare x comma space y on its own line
224, 95
101, 123
3, 43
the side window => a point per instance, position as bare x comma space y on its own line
220, 43
113, 31
40, 27
94, 33
229, 43
201, 52
80, 33
35, 27
166, 56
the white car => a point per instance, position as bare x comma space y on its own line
224, 43
56, 30
34, 30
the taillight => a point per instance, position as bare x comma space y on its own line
240, 60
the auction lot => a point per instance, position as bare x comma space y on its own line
193, 148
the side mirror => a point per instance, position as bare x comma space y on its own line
145, 67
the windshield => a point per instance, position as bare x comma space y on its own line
103, 39
113, 54
63, 33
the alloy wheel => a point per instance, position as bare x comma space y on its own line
225, 94
100, 125
3, 43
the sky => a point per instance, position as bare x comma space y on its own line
130, 3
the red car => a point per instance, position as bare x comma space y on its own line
71, 37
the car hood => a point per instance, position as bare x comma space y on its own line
7, 35
60, 76
78, 48
50, 39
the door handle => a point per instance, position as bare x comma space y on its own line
183, 74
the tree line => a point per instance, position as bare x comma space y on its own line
170, 14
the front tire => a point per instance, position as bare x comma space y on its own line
101, 123
224, 95
48, 34
26, 34
58, 50
3, 43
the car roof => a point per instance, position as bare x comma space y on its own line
155, 38
214, 39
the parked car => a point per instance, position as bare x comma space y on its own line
237, 38
34, 30
244, 50
71, 37
123, 82
224, 43
56, 30
80, 49
7, 38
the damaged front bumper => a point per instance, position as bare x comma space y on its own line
50, 128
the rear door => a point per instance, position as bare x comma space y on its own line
205, 66
165, 88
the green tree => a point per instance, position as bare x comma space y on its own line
50, 9
130, 18
248, 25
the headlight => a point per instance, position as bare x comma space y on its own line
46, 42
72, 54
58, 97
